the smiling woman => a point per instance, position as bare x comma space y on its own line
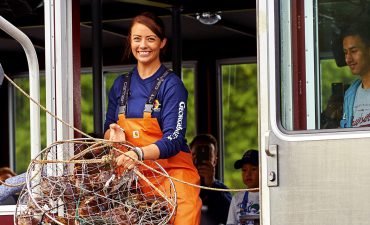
157, 130
192, 57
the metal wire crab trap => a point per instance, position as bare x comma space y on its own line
87, 189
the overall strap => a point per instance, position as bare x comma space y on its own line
149, 103
124, 93
245, 201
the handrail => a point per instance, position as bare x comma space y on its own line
33, 67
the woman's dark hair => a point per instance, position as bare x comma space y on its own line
152, 21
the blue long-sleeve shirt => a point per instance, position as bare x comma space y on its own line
170, 113
7, 193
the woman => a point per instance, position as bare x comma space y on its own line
147, 107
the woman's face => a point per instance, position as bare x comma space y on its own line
145, 45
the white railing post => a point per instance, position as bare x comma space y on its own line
34, 79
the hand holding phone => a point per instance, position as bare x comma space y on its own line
202, 154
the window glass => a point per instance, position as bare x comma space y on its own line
87, 108
240, 116
87, 99
334, 81
188, 79
313, 71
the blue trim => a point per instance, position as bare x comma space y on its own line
245, 201
349, 100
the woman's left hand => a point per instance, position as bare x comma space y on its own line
116, 133
126, 160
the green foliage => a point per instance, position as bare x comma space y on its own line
188, 79
87, 109
109, 80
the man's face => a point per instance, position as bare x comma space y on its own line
212, 152
357, 55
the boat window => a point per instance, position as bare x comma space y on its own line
314, 75
239, 115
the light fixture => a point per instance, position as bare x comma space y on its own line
208, 18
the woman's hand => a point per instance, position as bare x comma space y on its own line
127, 160
116, 133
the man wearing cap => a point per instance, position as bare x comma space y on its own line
244, 208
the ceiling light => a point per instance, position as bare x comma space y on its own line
209, 18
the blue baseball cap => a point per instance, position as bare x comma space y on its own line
250, 156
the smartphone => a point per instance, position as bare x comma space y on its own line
202, 154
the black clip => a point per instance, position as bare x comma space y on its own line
1, 75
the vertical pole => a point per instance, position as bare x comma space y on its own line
97, 65
59, 73
76, 67
176, 40
299, 63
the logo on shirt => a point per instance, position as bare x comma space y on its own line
156, 106
135, 134
179, 122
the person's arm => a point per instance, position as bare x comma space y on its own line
173, 119
6, 191
127, 160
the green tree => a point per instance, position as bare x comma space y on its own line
188, 79
87, 110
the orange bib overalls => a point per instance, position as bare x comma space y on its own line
144, 131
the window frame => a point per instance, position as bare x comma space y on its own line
274, 42
220, 128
